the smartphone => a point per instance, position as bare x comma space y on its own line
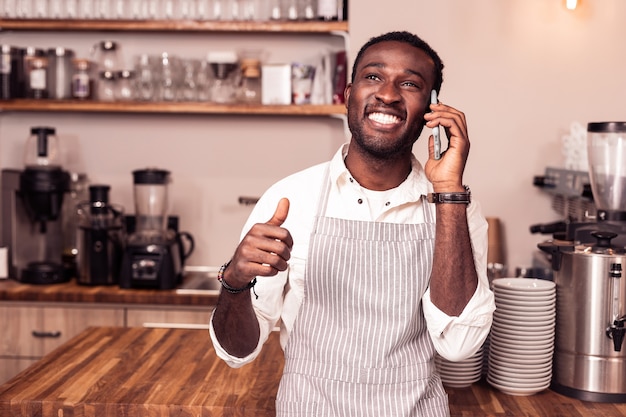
436, 137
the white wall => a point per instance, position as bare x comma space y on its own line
521, 70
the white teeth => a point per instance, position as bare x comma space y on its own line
383, 118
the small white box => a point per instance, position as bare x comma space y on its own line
276, 84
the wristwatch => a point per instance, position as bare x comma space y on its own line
464, 197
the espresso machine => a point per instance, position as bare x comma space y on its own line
588, 260
32, 201
154, 253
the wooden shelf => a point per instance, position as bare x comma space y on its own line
172, 25
76, 106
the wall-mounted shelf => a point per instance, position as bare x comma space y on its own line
77, 106
63, 25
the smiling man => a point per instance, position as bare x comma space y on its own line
370, 262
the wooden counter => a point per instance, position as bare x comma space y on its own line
108, 371
11, 290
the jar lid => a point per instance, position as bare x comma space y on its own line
81, 63
60, 51
125, 74
107, 75
108, 45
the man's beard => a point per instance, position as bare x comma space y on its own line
381, 148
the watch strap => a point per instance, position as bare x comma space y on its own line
463, 197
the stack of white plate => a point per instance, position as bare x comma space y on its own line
521, 343
462, 373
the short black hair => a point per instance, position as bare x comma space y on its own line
411, 39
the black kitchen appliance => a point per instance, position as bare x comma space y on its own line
100, 238
32, 202
154, 253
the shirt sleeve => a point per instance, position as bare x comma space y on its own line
458, 337
269, 304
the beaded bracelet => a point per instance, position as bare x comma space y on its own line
233, 290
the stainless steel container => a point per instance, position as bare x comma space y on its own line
589, 267
590, 356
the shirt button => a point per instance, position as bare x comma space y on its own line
360, 201
351, 179
387, 203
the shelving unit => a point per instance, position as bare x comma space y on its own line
166, 26
173, 25
22, 105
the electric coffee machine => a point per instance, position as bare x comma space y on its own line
154, 252
588, 259
32, 201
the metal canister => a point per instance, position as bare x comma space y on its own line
60, 71
9, 63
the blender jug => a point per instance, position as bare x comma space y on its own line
100, 238
154, 255
151, 204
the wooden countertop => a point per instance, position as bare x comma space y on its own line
136, 372
11, 290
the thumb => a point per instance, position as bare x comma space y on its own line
280, 215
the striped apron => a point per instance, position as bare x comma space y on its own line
359, 346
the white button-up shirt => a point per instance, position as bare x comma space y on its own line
280, 296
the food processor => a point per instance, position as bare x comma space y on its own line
154, 253
588, 263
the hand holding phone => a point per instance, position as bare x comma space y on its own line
436, 137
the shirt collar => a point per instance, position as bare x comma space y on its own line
415, 185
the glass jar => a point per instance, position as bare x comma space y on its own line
106, 86
82, 83
250, 90
107, 56
36, 77
125, 85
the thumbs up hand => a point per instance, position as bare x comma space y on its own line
264, 250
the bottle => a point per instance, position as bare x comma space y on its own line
36, 77
82, 83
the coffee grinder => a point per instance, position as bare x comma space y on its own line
32, 202
100, 238
589, 267
153, 255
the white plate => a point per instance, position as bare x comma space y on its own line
532, 367
505, 325
498, 347
517, 391
539, 359
524, 284
533, 343
513, 334
522, 372
526, 310
545, 302
506, 315
519, 385
518, 380
507, 295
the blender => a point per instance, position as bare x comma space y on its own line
588, 264
154, 254
32, 201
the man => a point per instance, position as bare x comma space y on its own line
366, 276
